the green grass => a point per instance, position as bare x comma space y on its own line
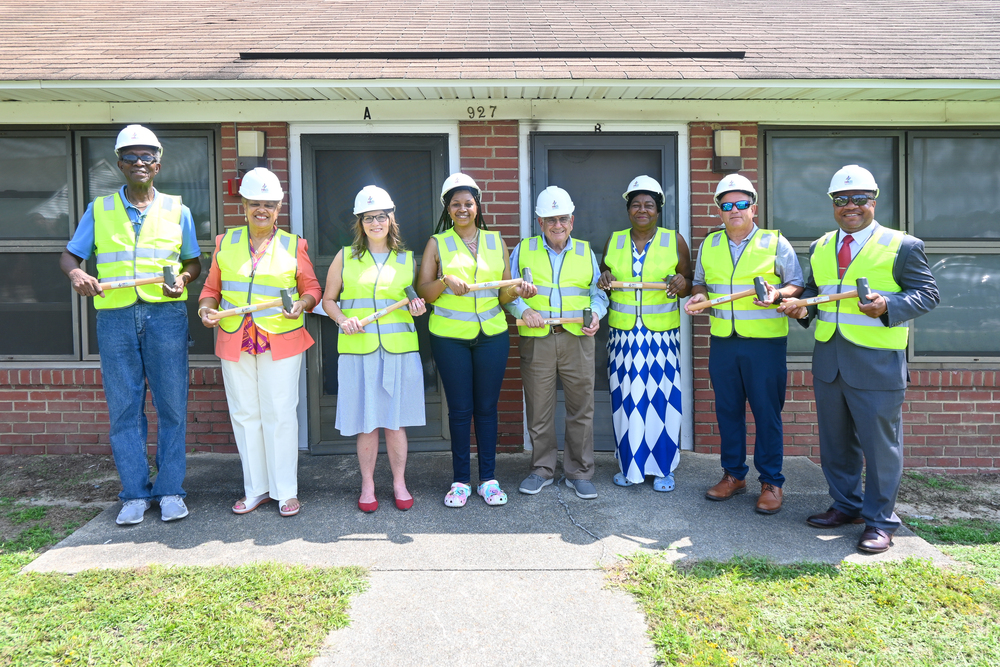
959, 531
27, 514
937, 481
266, 614
749, 612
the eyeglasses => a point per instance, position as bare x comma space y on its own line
740, 205
557, 220
369, 219
269, 205
857, 200
131, 158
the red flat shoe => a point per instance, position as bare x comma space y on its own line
368, 508
404, 505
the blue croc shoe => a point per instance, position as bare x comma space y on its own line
664, 483
619, 480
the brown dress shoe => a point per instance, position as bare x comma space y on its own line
831, 519
769, 501
728, 487
875, 540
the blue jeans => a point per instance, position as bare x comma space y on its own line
750, 370
140, 343
472, 372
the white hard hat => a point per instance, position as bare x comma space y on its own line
644, 184
553, 201
735, 183
458, 180
136, 135
260, 184
852, 177
372, 198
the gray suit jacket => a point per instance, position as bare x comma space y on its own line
865, 368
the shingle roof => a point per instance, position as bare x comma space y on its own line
201, 40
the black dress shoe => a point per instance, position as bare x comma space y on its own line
831, 519
875, 540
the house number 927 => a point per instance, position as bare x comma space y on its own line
481, 112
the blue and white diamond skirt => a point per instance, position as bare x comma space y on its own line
645, 377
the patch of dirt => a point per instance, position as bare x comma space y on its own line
72, 480
62, 520
949, 497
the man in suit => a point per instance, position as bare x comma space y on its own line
859, 361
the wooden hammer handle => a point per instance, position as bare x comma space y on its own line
385, 311
242, 310
121, 284
823, 298
555, 320
624, 284
722, 299
496, 284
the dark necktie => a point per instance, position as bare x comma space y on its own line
844, 256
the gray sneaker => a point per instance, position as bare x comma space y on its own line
533, 483
584, 488
132, 511
172, 508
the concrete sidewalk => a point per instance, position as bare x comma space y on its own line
514, 584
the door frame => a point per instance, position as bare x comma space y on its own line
308, 411
683, 225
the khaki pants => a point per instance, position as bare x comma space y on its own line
571, 358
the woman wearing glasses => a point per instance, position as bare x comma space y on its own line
261, 352
747, 357
379, 375
644, 341
469, 330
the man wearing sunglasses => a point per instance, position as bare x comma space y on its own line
859, 360
746, 360
142, 331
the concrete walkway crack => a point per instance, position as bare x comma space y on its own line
576, 523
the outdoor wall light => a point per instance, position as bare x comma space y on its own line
727, 151
250, 150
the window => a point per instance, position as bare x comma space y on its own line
940, 186
49, 179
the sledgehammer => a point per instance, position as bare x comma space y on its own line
167, 277
862, 284
285, 302
499, 284
411, 295
588, 316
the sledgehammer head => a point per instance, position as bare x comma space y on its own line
588, 317
758, 285
526, 275
286, 300
168, 276
863, 290
411, 293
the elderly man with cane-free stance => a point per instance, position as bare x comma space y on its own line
140, 238
557, 324
859, 360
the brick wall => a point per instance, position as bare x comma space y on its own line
276, 153
950, 418
63, 411
489, 155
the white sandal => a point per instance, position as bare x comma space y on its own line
458, 495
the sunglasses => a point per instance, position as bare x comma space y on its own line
857, 200
129, 158
740, 205
369, 219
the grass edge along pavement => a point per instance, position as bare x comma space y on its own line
261, 614
747, 611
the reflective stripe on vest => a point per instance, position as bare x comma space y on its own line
242, 286
368, 288
721, 278
659, 312
572, 284
465, 316
122, 256
874, 262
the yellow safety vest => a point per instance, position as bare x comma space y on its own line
368, 288
874, 262
572, 284
722, 278
243, 286
465, 316
658, 310
122, 256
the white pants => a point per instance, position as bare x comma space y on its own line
263, 397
